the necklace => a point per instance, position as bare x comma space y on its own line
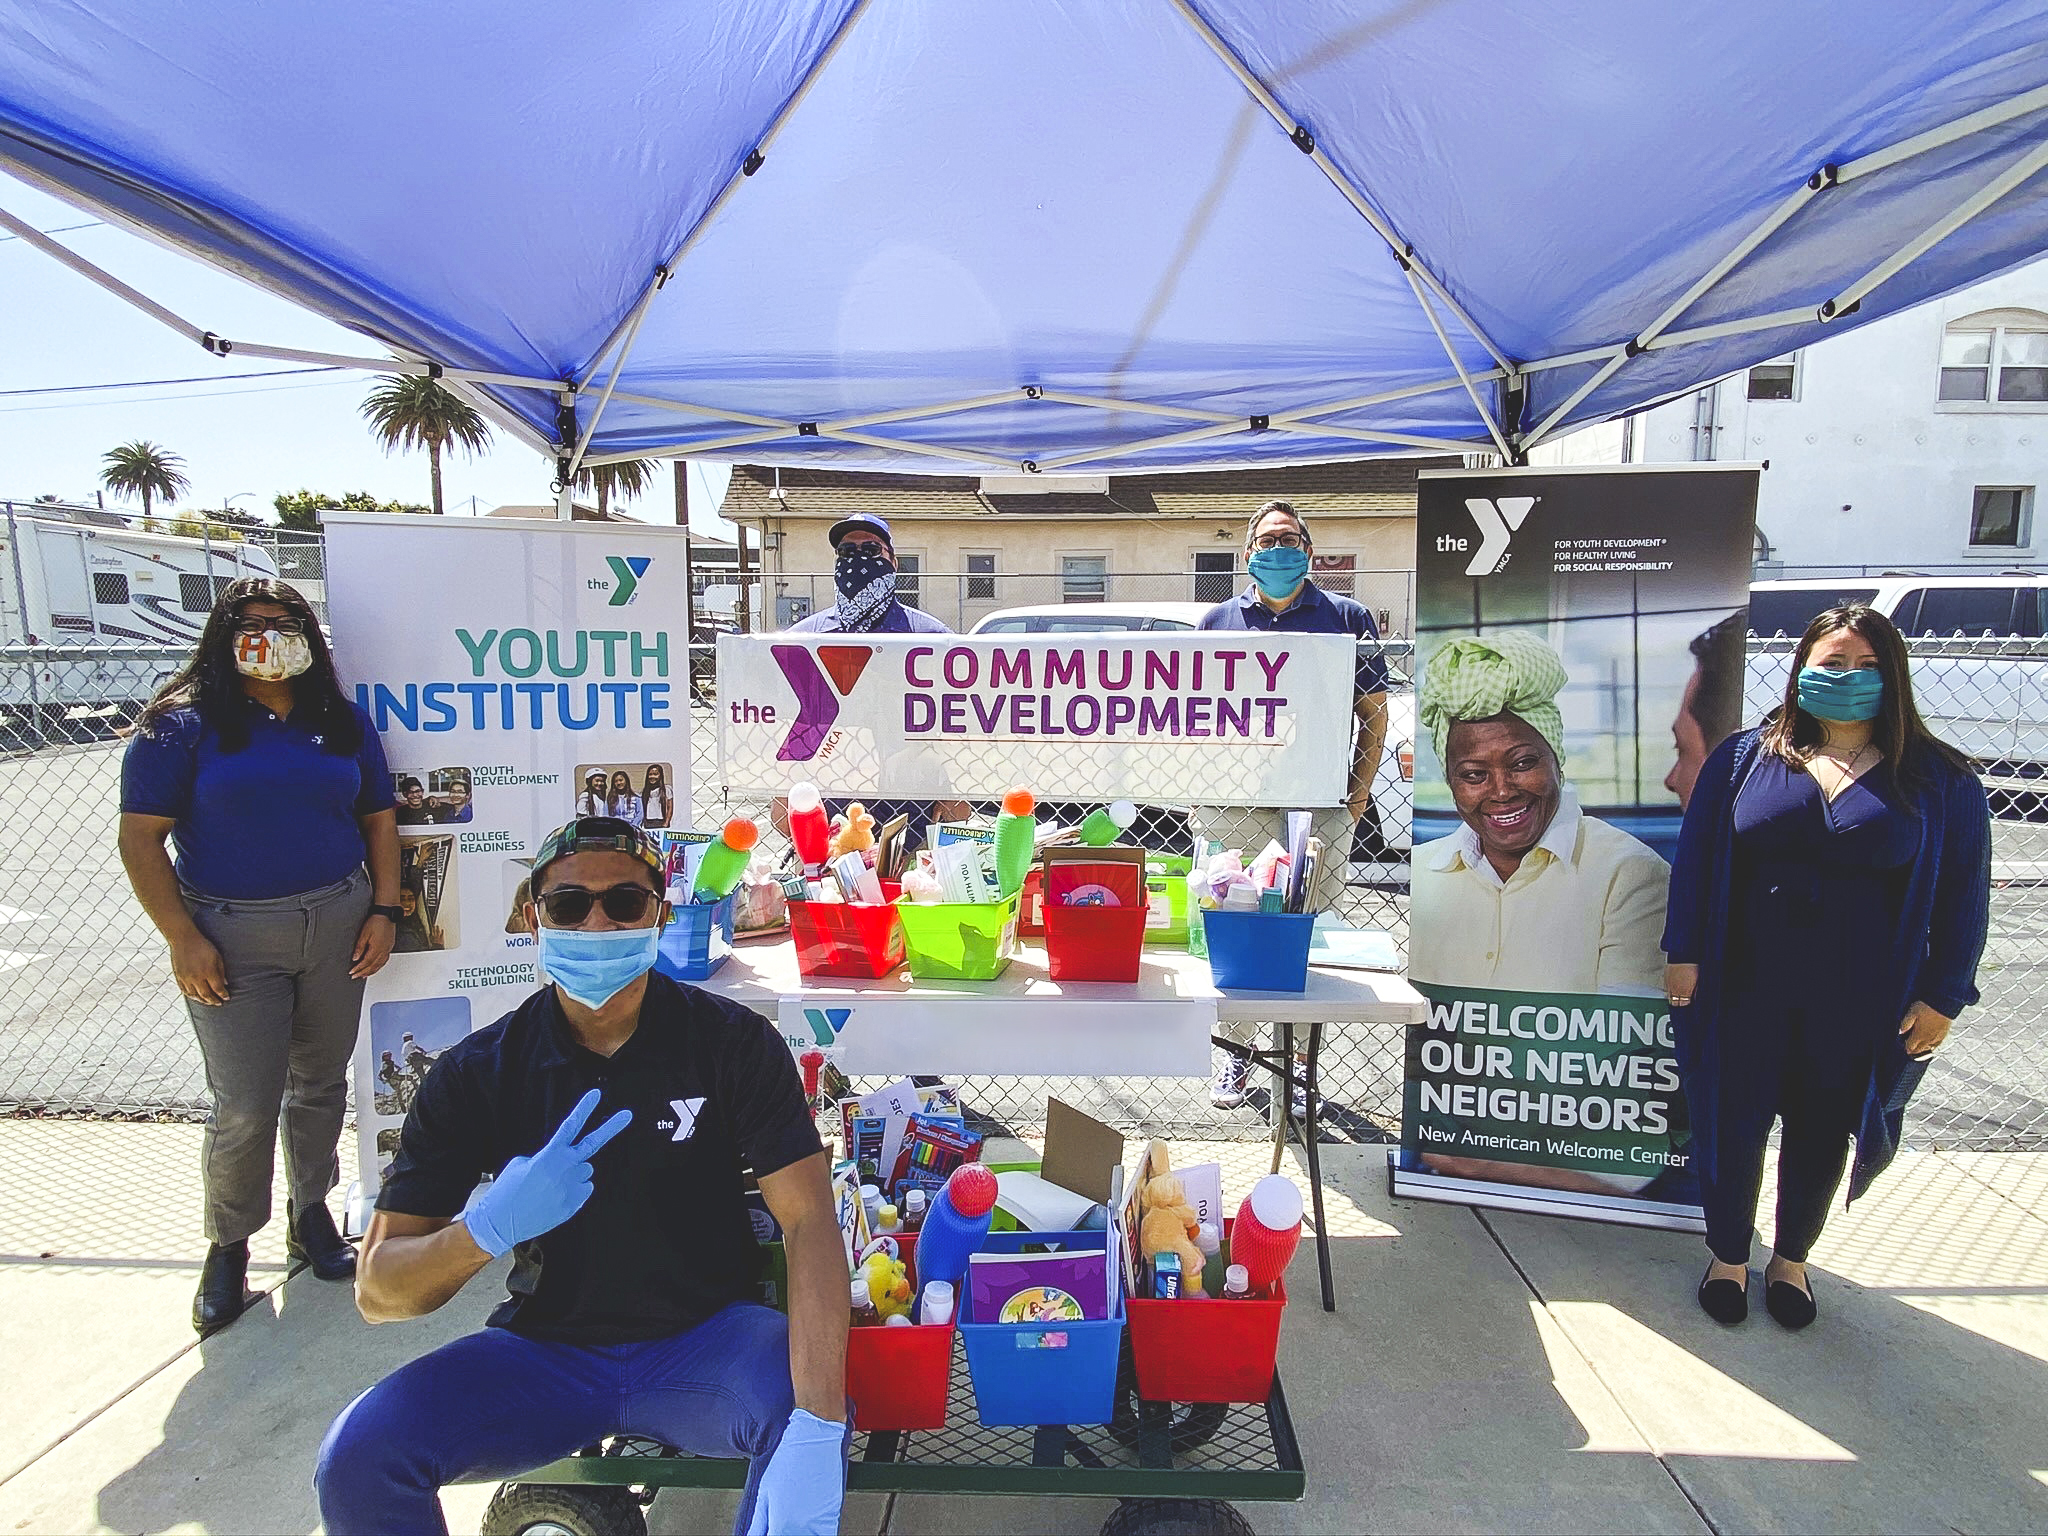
1848, 764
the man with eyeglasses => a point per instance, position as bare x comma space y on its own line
616, 1111
1284, 599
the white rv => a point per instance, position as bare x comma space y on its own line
131, 604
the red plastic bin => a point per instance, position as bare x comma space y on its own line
1207, 1350
897, 1377
836, 938
1094, 943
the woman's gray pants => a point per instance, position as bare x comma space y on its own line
282, 1041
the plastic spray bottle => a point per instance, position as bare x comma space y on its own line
1104, 826
957, 1224
1267, 1230
1015, 829
725, 861
810, 829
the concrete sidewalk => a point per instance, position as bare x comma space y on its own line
1482, 1372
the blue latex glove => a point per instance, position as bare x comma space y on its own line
536, 1194
805, 1482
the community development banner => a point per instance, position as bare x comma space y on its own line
518, 671
1226, 718
1580, 641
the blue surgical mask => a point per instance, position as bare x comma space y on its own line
595, 967
1278, 571
1828, 694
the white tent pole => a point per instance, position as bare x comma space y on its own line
1370, 435
929, 450
1305, 141
2019, 172
1429, 314
752, 163
617, 369
1383, 397
1140, 407
916, 412
715, 413
106, 280
1935, 138
1119, 450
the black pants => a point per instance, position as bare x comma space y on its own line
1799, 1065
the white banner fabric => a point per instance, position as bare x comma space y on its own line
1222, 718
506, 665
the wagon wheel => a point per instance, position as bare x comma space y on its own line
1194, 1424
1175, 1517
561, 1509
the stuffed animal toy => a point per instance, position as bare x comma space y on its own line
1169, 1223
854, 832
888, 1285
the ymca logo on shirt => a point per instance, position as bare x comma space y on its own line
684, 1123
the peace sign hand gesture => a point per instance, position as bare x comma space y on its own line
536, 1194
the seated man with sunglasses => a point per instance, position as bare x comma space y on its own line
616, 1110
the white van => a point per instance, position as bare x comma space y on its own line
2009, 606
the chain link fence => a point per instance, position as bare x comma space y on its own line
91, 1024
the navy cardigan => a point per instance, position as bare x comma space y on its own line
1942, 923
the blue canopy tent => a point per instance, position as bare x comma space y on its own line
1033, 235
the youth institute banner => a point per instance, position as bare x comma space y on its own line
1580, 644
520, 673
1224, 719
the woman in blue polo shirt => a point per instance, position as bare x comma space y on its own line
273, 790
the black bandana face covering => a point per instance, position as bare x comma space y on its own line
867, 586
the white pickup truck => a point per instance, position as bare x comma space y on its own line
1980, 657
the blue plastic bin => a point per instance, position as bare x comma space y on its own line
697, 941
1259, 951
1029, 1373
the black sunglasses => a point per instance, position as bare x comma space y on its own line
567, 906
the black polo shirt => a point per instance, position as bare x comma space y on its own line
664, 1240
1313, 612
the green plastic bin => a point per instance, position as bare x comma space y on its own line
959, 941
1175, 867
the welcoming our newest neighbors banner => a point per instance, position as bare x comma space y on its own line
520, 673
1580, 649
1228, 718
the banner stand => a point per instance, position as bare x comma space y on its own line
1414, 1184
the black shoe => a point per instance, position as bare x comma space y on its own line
224, 1293
310, 1238
1725, 1301
1792, 1307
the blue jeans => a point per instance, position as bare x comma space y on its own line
495, 1404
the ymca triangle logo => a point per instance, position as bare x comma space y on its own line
626, 573
826, 1023
687, 1111
817, 703
1498, 521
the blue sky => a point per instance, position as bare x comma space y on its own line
260, 436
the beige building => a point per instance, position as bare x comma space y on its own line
968, 546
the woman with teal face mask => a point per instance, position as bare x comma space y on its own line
1828, 907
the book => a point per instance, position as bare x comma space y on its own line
1038, 1287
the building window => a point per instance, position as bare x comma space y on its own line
110, 587
1084, 578
1215, 575
195, 593
1778, 380
2000, 516
907, 579
1336, 573
2000, 357
981, 578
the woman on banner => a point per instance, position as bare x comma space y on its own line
596, 799
1529, 894
655, 806
625, 805
272, 787
1828, 907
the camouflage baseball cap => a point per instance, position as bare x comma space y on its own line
596, 834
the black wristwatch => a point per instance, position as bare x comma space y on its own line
394, 913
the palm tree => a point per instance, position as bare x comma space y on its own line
412, 411
143, 469
628, 477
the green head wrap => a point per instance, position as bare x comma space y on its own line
1484, 675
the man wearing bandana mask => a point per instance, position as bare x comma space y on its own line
1282, 598
864, 576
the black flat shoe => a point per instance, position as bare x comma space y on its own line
1792, 1307
310, 1239
224, 1293
1725, 1301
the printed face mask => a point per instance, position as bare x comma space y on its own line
596, 967
1828, 694
867, 586
271, 657
1278, 571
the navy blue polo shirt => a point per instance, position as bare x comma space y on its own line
1313, 612
274, 819
897, 620
664, 1240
